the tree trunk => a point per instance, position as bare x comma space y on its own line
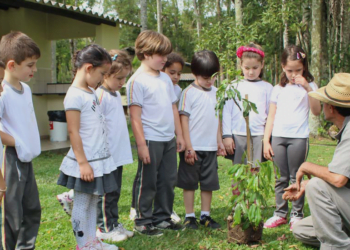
218, 10
143, 9
344, 34
198, 17
316, 57
239, 22
159, 16
285, 24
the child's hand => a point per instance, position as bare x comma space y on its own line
86, 172
190, 156
230, 146
144, 154
180, 143
268, 152
221, 149
299, 79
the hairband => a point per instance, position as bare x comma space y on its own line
300, 55
249, 49
114, 57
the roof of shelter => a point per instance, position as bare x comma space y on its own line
78, 13
187, 77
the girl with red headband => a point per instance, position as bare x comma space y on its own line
258, 91
287, 122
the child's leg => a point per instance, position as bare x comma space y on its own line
107, 206
257, 150
206, 200
241, 147
133, 193
82, 220
189, 201
297, 153
166, 181
279, 147
21, 210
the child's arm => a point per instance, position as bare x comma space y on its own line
178, 130
136, 124
190, 154
227, 127
7, 140
221, 147
315, 105
268, 152
73, 124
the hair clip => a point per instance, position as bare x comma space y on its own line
114, 57
302, 54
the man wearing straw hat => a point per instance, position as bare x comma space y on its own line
328, 192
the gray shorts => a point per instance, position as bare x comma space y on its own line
204, 171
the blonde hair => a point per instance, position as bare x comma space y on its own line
120, 61
150, 42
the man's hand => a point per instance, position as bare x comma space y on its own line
300, 174
292, 193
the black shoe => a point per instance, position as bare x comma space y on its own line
207, 221
148, 229
169, 224
191, 223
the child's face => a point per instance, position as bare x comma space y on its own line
174, 71
292, 69
156, 61
204, 81
116, 81
96, 75
2, 74
251, 68
25, 70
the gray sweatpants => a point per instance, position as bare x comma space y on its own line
328, 226
241, 147
155, 183
290, 153
107, 206
21, 209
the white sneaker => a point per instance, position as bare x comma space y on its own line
292, 221
92, 245
65, 202
123, 230
114, 235
174, 217
132, 215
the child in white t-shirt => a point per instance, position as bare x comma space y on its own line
154, 118
88, 167
108, 94
288, 123
200, 125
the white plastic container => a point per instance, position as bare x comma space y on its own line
58, 131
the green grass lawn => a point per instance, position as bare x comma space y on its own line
56, 231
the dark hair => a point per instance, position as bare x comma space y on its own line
250, 54
120, 61
2, 65
205, 63
293, 53
93, 54
342, 111
174, 58
17, 46
150, 43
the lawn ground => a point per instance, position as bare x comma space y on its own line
56, 231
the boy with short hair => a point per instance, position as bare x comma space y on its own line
21, 206
153, 114
202, 134
2, 71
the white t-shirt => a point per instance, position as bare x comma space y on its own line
233, 122
177, 90
117, 129
292, 113
93, 134
18, 120
199, 106
155, 95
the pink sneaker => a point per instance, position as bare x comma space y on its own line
294, 220
275, 221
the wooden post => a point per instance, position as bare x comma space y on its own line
249, 146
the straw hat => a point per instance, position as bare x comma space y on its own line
337, 91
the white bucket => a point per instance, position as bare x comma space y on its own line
58, 131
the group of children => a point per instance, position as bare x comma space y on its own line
164, 119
